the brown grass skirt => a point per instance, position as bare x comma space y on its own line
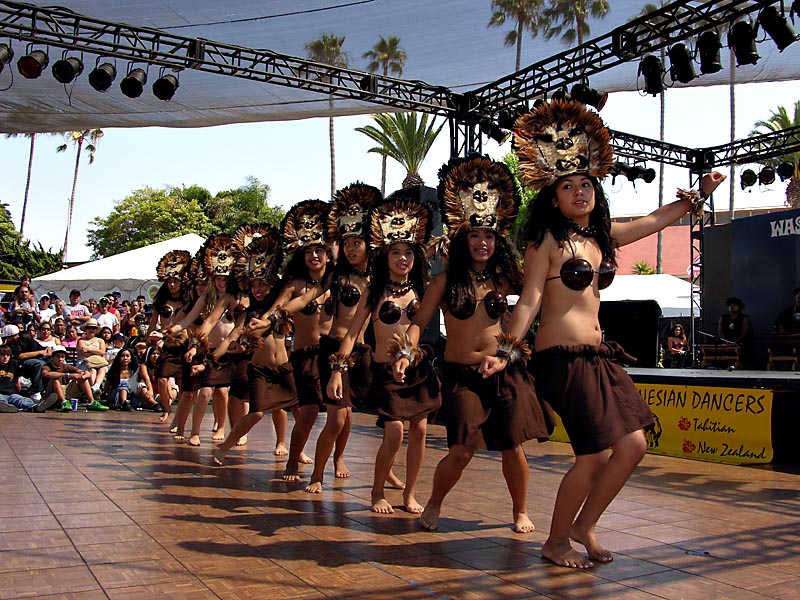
417, 397
271, 387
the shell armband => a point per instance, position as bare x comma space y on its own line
510, 348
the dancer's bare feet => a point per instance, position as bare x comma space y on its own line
163, 419
305, 459
411, 505
218, 456
280, 449
393, 481
219, 435
194, 440
339, 468
429, 518
179, 437
588, 539
562, 554
214, 427
523, 523
242, 441
381, 506
291, 474
315, 487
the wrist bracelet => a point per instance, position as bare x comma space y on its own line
400, 347
697, 200
340, 362
510, 348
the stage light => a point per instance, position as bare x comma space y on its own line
165, 87
786, 169
589, 96
708, 46
494, 132
774, 23
133, 85
559, 95
680, 64
67, 69
748, 178
742, 38
6, 55
634, 172
368, 84
652, 70
102, 77
766, 176
31, 65
507, 117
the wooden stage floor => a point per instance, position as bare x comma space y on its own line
107, 505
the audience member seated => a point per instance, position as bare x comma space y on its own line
29, 354
23, 307
45, 336
68, 382
117, 343
46, 310
92, 354
76, 313
104, 317
788, 321
11, 399
735, 326
677, 347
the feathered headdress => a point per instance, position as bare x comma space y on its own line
173, 264
197, 270
260, 259
477, 193
304, 225
348, 212
246, 233
218, 256
561, 138
399, 219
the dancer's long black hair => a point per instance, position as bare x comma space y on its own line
460, 289
163, 295
296, 268
380, 276
113, 375
342, 272
544, 215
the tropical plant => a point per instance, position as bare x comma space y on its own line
642, 268
17, 257
386, 55
32, 138
526, 15
779, 120
82, 140
405, 139
527, 195
247, 204
328, 50
569, 19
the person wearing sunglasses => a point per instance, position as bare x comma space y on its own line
564, 153
478, 201
399, 229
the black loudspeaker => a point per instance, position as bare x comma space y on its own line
634, 325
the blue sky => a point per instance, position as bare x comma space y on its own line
293, 159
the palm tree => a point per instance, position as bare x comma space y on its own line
32, 137
643, 268
527, 14
82, 140
401, 137
779, 120
569, 19
328, 50
386, 55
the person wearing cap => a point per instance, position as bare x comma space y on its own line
30, 354
67, 382
76, 313
46, 309
564, 152
11, 400
104, 317
91, 354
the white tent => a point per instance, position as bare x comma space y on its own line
673, 294
132, 272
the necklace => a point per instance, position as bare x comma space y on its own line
480, 276
366, 274
586, 232
311, 281
398, 289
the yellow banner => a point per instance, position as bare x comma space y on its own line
726, 425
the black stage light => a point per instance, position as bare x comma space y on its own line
708, 46
31, 65
680, 64
742, 38
67, 69
6, 55
368, 84
102, 77
133, 85
748, 178
774, 23
766, 176
652, 70
494, 132
786, 169
165, 87
507, 117
589, 96
559, 95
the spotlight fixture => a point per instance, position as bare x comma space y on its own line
67, 70
680, 64
652, 70
634, 172
766, 176
708, 46
774, 23
581, 92
748, 178
368, 84
133, 84
6, 55
31, 65
786, 169
495, 132
559, 95
165, 87
742, 38
102, 77
507, 117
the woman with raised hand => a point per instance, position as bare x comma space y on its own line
478, 201
564, 152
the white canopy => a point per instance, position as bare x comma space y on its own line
673, 294
132, 272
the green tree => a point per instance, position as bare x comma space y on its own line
525, 14
147, 216
17, 257
527, 195
247, 204
405, 139
569, 19
779, 120
82, 140
327, 49
386, 56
